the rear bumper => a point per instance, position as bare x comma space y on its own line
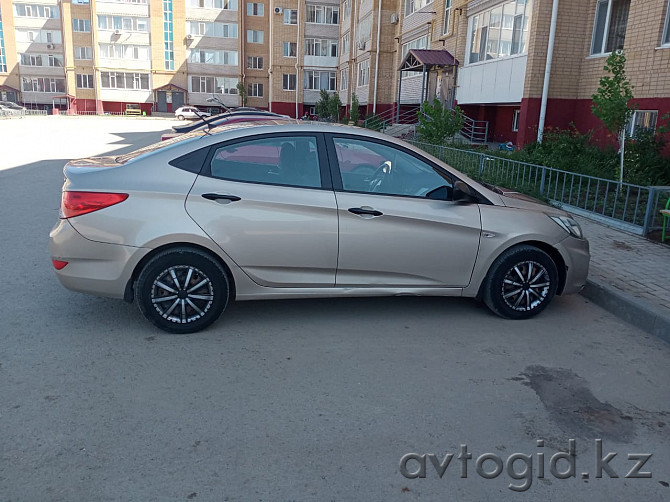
93, 267
576, 254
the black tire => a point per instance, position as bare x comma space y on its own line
165, 278
180, 117
521, 283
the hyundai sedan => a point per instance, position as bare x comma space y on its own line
278, 209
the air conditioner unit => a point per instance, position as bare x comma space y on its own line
361, 46
278, 10
189, 37
395, 18
117, 32
50, 46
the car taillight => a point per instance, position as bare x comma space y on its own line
78, 203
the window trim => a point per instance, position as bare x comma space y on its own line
630, 127
603, 48
665, 36
516, 115
322, 155
296, 82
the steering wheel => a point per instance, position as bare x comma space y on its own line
381, 176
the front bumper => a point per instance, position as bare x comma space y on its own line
576, 254
93, 267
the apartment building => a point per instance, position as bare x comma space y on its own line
102, 55
498, 50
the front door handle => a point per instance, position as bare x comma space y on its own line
360, 210
221, 196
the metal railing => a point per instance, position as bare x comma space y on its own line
475, 131
627, 206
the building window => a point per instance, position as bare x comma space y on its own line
124, 23
322, 14
290, 16
255, 36
214, 4
288, 82
84, 81
411, 6
318, 80
43, 84
499, 32
122, 51
121, 80
255, 90
211, 85
344, 79
254, 63
3, 58
364, 32
346, 9
320, 47
81, 25
417, 43
254, 9
83, 53
345, 44
168, 35
609, 27
642, 121
363, 73
290, 49
666, 32
204, 29
446, 28
515, 120
212, 56
38, 11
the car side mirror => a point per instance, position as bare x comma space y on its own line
462, 193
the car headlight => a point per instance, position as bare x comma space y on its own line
569, 225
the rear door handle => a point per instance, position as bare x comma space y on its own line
221, 196
360, 210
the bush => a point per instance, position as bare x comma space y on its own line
374, 123
437, 123
354, 113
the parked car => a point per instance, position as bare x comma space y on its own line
265, 210
189, 112
10, 108
223, 119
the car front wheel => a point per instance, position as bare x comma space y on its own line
182, 290
521, 283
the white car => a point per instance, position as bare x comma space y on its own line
190, 112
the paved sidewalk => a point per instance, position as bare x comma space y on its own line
629, 276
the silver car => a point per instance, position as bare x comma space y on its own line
291, 210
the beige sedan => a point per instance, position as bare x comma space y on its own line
294, 210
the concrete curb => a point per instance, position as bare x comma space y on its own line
628, 308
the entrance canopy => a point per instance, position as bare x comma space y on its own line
424, 60
416, 59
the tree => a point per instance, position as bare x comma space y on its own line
334, 105
242, 92
321, 108
611, 101
437, 122
354, 113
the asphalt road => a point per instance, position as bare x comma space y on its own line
313, 400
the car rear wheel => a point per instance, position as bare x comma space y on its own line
180, 117
182, 290
521, 283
